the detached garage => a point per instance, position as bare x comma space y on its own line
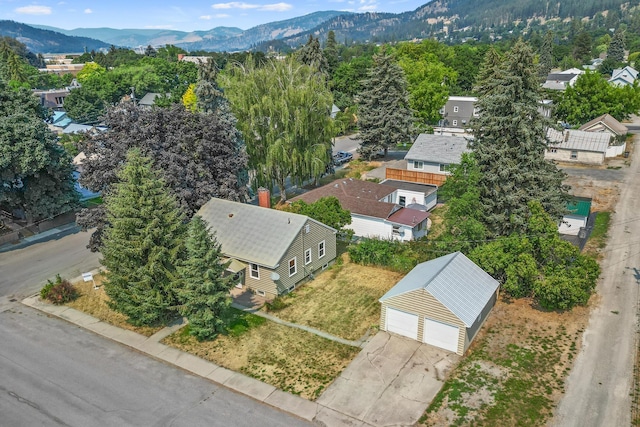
442, 302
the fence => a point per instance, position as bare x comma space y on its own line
415, 176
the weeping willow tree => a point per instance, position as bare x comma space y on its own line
283, 110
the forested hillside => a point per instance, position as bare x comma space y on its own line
44, 41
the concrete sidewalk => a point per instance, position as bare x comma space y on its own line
268, 394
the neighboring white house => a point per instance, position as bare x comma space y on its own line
375, 209
623, 76
412, 195
577, 146
435, 153
560, 80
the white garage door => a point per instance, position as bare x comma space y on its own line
441, 335
402, 323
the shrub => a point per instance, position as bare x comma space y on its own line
277, 304
61, 293
392, 254
44, 292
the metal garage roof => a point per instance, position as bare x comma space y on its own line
455, 281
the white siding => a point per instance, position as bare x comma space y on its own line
364, 226
426, 166
562, 155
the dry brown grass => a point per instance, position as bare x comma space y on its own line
357, 168
94, 302
342, 301
291, 359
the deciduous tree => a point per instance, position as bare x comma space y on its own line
283, 110
36, 174
327, 210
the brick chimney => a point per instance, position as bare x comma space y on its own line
264, 197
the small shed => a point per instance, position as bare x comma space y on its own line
442, 302
579, 209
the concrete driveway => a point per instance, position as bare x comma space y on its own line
391, 382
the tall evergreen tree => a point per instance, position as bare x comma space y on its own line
582, 47
143, 244
385, 118
204, 292
283, 111
509, 144
546, 56
36, 173
330, 52
616, 47
311, 54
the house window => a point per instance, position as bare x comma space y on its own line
444, 167
419, 226
261, 293
476, 112
402, 201
574, 155
307, 228
255, 271
292, 267
418, 165
553, 150
321, 249
59, 100
307, 256
454, 122
455, 109
396, 230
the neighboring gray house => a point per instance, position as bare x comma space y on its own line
149, 100
442, 302
271, 251
458, 112
375, 208
577, 146
623, 76
435, 153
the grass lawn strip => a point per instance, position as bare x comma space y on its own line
94, 302
290, 359
515, 371
342, 301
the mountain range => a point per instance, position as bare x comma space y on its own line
434, 17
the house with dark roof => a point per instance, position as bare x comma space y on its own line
561, 80
271, 251
442, 302
375, 208
435, 153
577, 146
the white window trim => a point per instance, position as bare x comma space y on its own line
455, 109
307, 256
418, 162
295, 266
455, 123
261, 293
322, 252
257, 271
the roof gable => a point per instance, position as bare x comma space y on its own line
252, 233
609, 122
455, 281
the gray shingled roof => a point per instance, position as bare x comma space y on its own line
609, 122
572, 139
437, 149
455, 281
426, 189
252, 233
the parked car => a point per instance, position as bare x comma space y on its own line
342, 157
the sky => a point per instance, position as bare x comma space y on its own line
185, 15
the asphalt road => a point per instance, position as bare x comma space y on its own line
53, 373
24, 271
598, 389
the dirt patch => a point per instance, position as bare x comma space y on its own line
290, 359
514, 372
342, 300
94, 302
604, 193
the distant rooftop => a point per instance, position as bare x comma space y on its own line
438, 148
